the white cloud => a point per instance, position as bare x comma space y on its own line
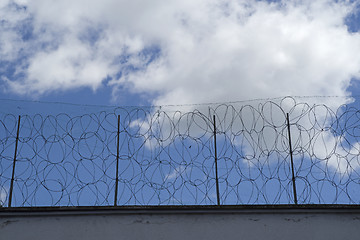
176, 173
218, 50
12, 20
3, 196
71, 65
206, 50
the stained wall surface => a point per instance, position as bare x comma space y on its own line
229, 222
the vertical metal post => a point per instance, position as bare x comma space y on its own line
292, 161
13, 170
216, 166
117, 162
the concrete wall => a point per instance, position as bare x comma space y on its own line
229, 222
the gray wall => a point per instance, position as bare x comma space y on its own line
246, 222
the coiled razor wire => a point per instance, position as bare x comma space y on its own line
167, 157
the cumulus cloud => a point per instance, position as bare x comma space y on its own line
180, 51
177, 172
3, 196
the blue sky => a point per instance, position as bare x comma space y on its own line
179, 52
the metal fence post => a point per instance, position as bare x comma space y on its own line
117, 162
216, 166
291, 159
13, 170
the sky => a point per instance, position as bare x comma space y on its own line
184, 52
177, 52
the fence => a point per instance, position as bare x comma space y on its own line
219, 154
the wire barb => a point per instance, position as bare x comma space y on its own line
153, 156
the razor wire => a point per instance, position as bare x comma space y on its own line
167, 157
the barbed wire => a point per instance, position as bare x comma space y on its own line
167, 157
